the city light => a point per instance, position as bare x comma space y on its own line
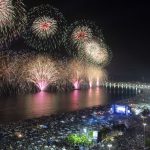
109, 146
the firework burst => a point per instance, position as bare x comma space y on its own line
78, 33
11, 64
9, 71
12, 73
77, 72
7, 67
6, 13
81, 34
41, 71
45, 28
12, 20
96, 52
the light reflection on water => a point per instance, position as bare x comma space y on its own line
43, 104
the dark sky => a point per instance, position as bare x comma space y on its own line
126, 28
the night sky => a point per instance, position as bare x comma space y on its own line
126, 28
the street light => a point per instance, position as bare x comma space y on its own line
144, 125
109, 146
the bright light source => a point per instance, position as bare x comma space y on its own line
85, 130
95, 134
109, 145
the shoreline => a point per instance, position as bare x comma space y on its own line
57, 114
50, 132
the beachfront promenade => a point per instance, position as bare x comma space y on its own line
127, 85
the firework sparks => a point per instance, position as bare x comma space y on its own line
77, 72
96, 76
6, 13
96, 52
42, 72
7, 67
45, 28
78, 33
10, 72
12, 20
81, 34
